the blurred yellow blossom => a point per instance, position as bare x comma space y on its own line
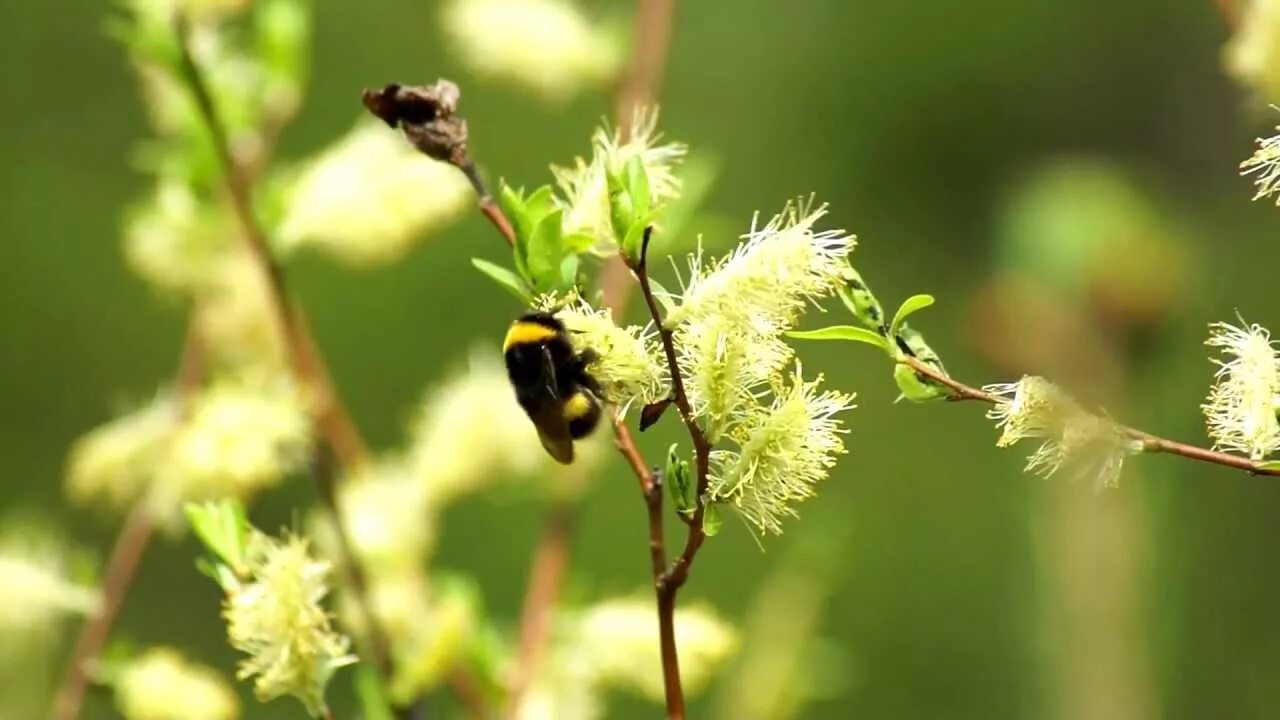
369, 197
275, 616
119, 460
545, 45
1252, 56
242, 436
173, 241
386, 516
161, 684
619, 640
234, 316
38, 592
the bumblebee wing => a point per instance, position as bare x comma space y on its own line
554, 434
548, 416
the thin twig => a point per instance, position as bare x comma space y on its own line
1150, 443
126, 554
669, 582
333, 422
491, 210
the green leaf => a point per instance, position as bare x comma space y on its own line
915, 388
908, 306
638, 186
544, 253
1269, 465
540, 203
505, 278
577, 242
843, 332
679, 481
223, 528
861, 302
711, 521
568, 273
371, 694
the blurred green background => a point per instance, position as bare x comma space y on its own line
958, 587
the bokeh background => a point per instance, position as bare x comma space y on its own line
1061, 174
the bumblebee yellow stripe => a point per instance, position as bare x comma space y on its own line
577, 406
526, 333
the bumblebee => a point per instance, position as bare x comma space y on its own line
551, 382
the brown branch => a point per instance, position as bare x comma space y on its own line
341, 440
490, 209
331, 416
126, 554
546, 575
1150, 443
669, 581
649, 45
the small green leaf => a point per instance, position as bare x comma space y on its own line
842, 332
577, 242
1269, 465
513, 204
861, 302
908, 306
915, 388
505, 278
916, 346
638, 185
711, 521
223, 528
568, 273
679, 481
544, 252
540, 203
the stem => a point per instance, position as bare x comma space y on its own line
135, 535
1150, 443
126, 555
546, 575
669, 582
341, 440
488, 207
649, 45
332, 418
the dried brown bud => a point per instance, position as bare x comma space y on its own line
426, 114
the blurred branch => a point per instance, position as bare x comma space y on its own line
1150, 443
126, 555
546, 576
332, 420
642, 80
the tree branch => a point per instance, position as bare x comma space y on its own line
670, 580
126, 554
1150, 443
333, 422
